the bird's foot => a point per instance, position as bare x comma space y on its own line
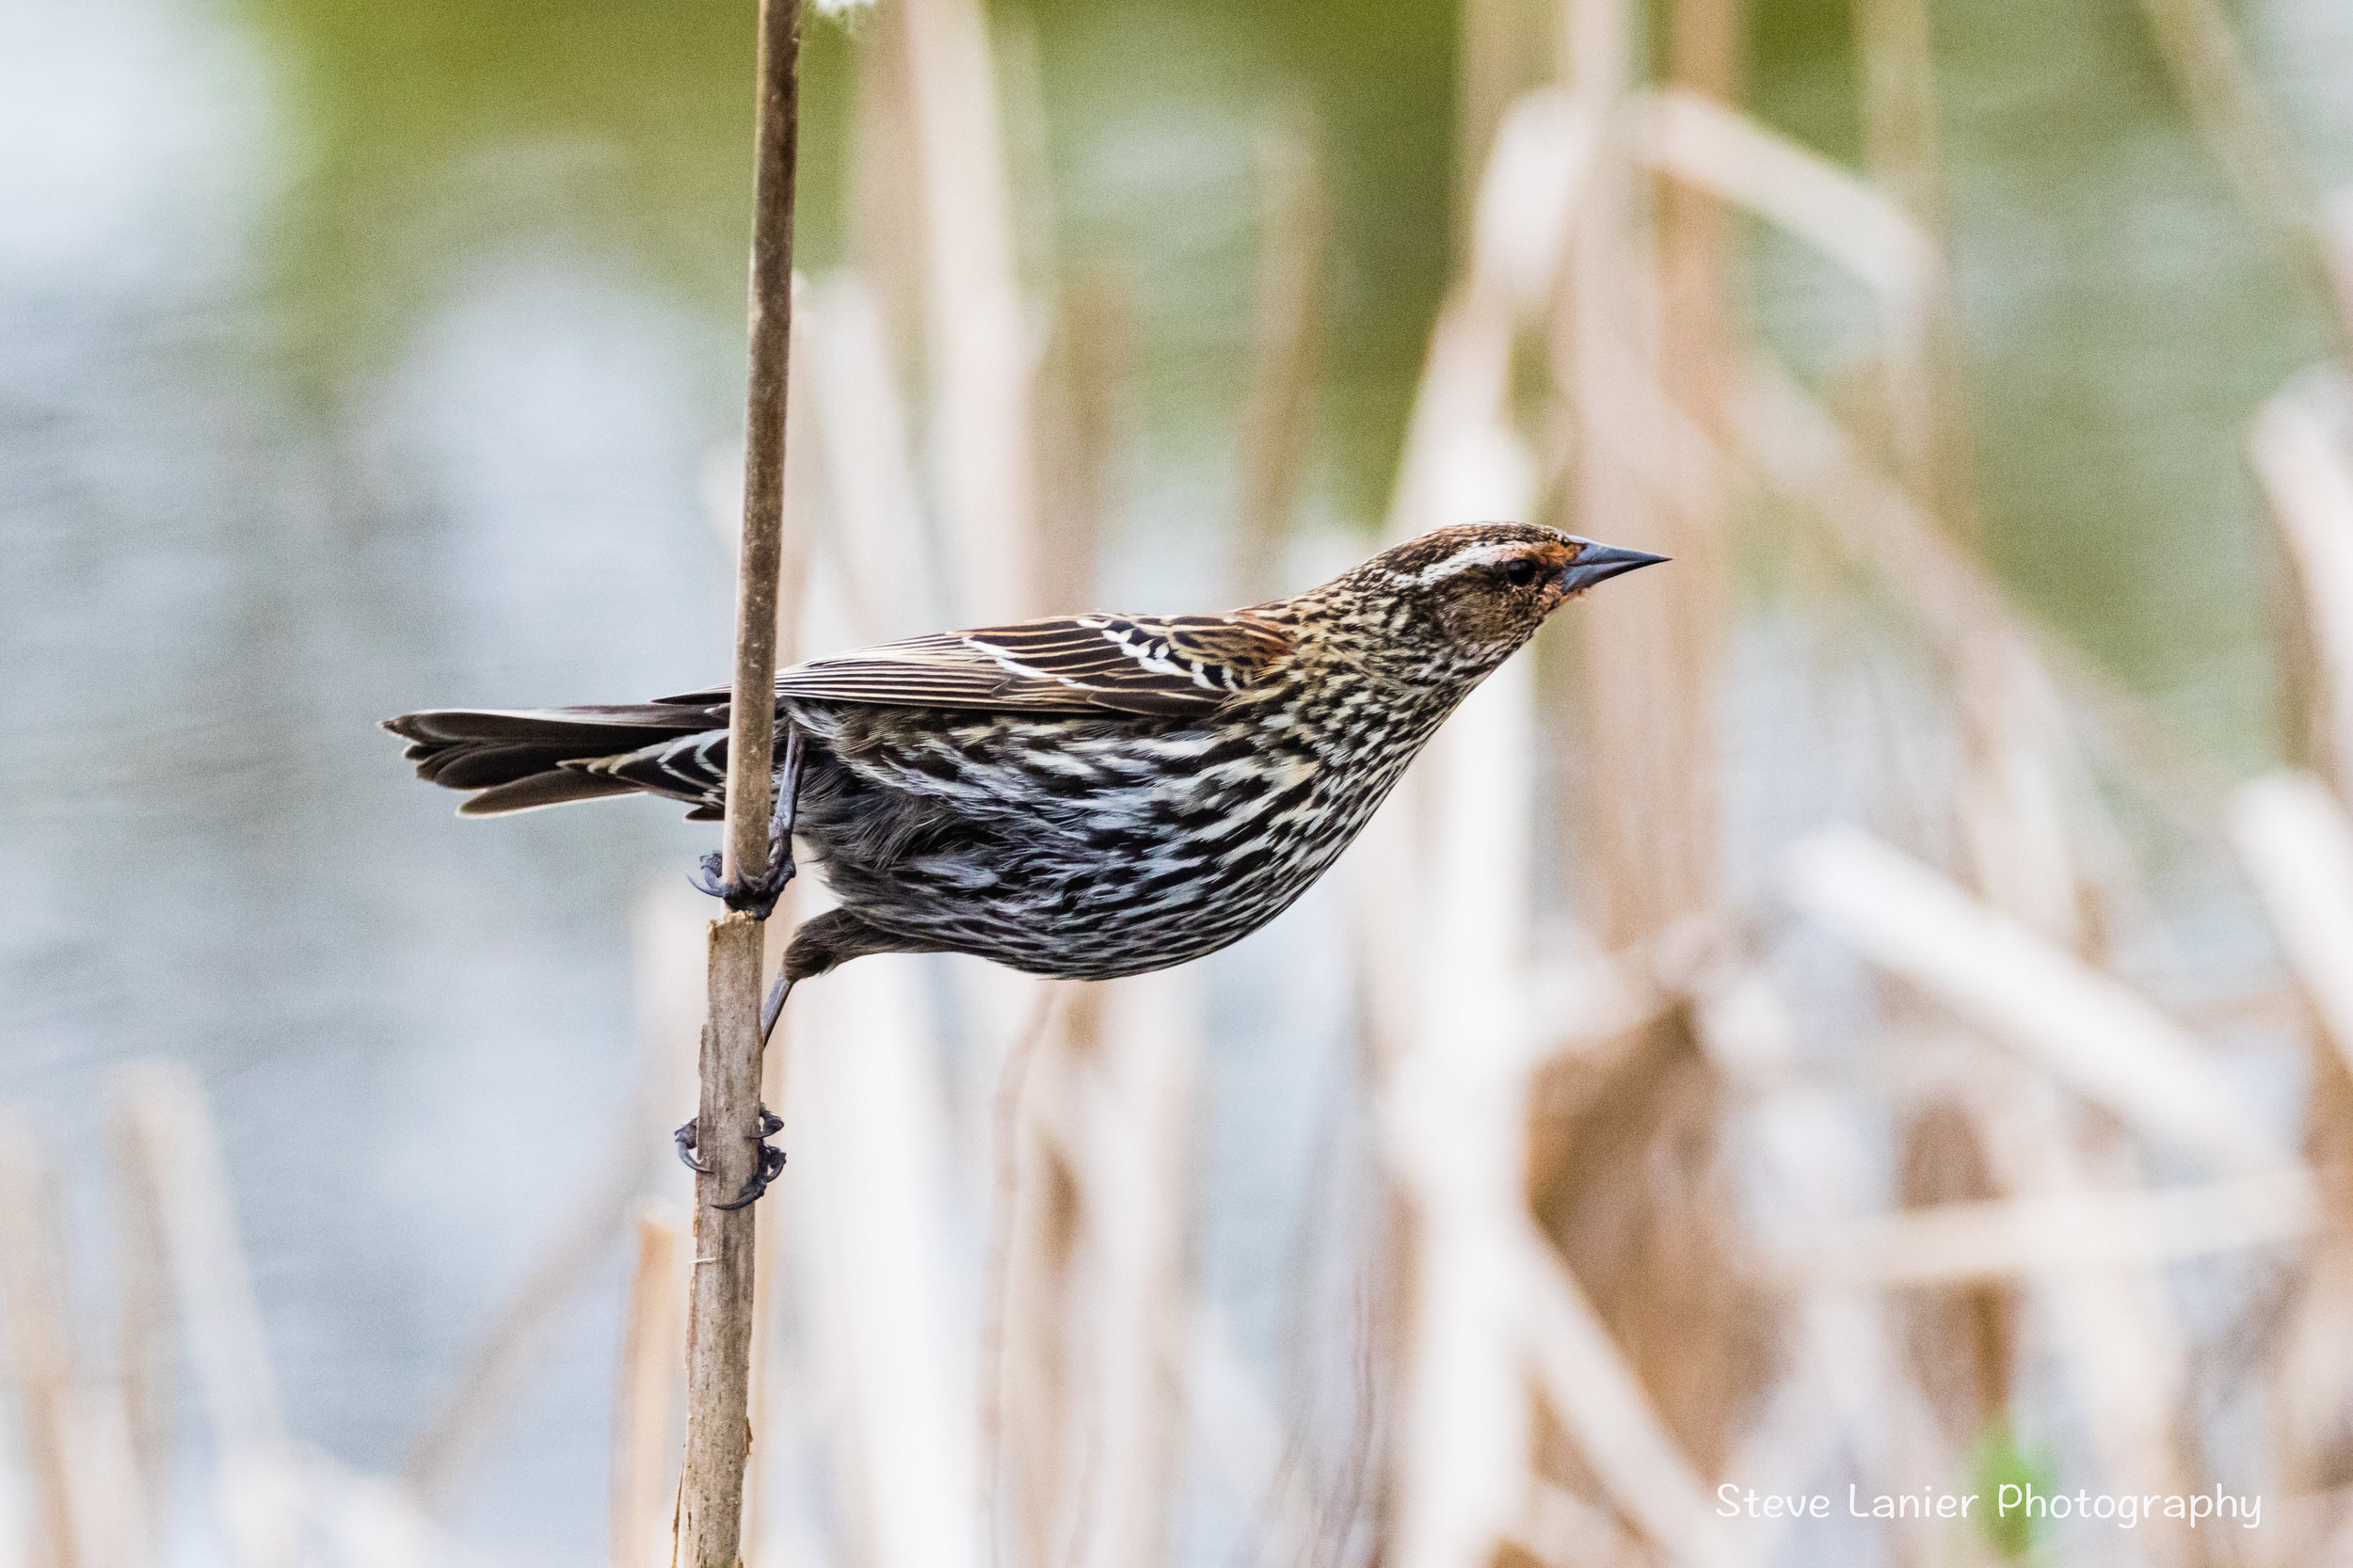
756, 895
771, 1167
771, 1158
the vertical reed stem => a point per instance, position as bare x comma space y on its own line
1284, 346
719, 1327
39, 1355
644, 1397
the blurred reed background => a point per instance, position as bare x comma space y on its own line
1866, 1006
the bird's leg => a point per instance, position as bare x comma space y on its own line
758, 894
774, 1007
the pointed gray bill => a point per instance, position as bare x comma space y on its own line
1599, 563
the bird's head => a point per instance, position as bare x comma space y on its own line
1461, 600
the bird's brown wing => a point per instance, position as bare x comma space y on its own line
1174, 666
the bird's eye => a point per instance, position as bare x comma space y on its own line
1521, 572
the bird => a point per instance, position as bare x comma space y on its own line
1085, 796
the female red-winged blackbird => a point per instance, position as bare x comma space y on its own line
1087, 797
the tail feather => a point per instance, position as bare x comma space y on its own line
481, 765
521, 759
558, 787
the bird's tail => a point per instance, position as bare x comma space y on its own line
521, 760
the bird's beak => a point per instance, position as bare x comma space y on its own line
1599, 563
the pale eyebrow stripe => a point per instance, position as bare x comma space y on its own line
1465, 558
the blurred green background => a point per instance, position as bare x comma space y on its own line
2122, 316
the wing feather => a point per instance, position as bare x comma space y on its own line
1173, 665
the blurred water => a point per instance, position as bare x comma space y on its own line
223, 570
353, 358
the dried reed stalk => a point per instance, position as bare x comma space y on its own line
1501, 55
1488, 1301
1640, 348
2006, 798
1562, 1531
2294, 839
1629, 1173
1462, 459
975, 332
719, 1327
873, 566
2297, 447
40, 1348
766, 1411
884, 238
1697, 327
1964, 1339
1846, 1386
1238, 1436
2211, 73
645, 1395
1108, 1104
1082, 412
803, 468
880, 1242
1804, 453
1926, 380
143, 1328
1709, 145
1455, 1075
2013, 797
1995, 1238
1454, 1104
1460, 1438
2120, 1344
866, 1209
1644, 815
1590, 1384
2011, 813
1143, 1174
2085, 1029
1285, 345
2293, 836
1037, 1397
2296, 842
262, 1489
981, 395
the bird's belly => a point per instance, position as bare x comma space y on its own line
1122, 881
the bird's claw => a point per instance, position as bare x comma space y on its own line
771, 1158
771, 1167
754, 895
706, 879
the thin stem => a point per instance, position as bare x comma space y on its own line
751, 725
719, 1326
